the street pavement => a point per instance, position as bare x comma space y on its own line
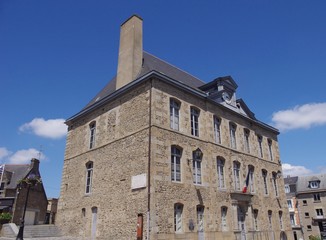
47, 238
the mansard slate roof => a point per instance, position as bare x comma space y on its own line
152, 64
290, 180
303, 183
17, 172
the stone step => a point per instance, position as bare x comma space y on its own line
48, 230
31, 231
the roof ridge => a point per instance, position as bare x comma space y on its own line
174, 66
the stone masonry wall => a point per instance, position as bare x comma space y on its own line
165, 193
120, 152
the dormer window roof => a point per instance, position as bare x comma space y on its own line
314, 183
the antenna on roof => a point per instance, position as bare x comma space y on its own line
40, 152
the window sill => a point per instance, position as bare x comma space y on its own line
177, 182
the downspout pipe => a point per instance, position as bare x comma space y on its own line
149, 160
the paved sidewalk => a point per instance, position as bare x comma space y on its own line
47, 238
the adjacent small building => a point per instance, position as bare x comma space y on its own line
51, 210
13, 195
311, 197
290, 184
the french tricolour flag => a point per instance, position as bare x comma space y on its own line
245, 187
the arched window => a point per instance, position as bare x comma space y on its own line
264, 175
260, 146
217, 129
233, 140
174, 114
251, 178
236, 175
255, 218
220, 172
274, 179
270, 221
89, 176
94, 222
200, 218
280, 215
196, 165
246, 140
178, 209
194, 117
224, 218
92, 130
270, 149
175, 164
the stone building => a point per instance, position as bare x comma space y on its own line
311, 196
13, 194
290, 184
160, 154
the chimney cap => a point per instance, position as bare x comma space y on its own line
134, 15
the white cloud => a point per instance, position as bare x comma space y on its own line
322, 169
4, 152
305, 116
291, 170
25, 156
52, 128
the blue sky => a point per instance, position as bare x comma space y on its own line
56, 55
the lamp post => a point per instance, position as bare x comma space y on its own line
31, 180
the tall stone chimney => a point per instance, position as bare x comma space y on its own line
130, 51
35, 164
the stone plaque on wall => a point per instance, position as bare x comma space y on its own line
139, 181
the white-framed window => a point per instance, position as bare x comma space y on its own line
175, 164
196, 166
260, 146
292, 220
236, 175
319, 212
274, 180
174, 114
314, 184
220, 172
316, 197
255, 219
233, 139
178, 209
224, 218
92, 131
280, 217
289, 203
264, 175
246, 140
217, 129
251, 178
241, 218
287, 188
270, 149
194, 116
200, 218
89, 177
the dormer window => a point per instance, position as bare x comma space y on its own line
314, 184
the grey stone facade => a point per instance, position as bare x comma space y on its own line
123, 170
